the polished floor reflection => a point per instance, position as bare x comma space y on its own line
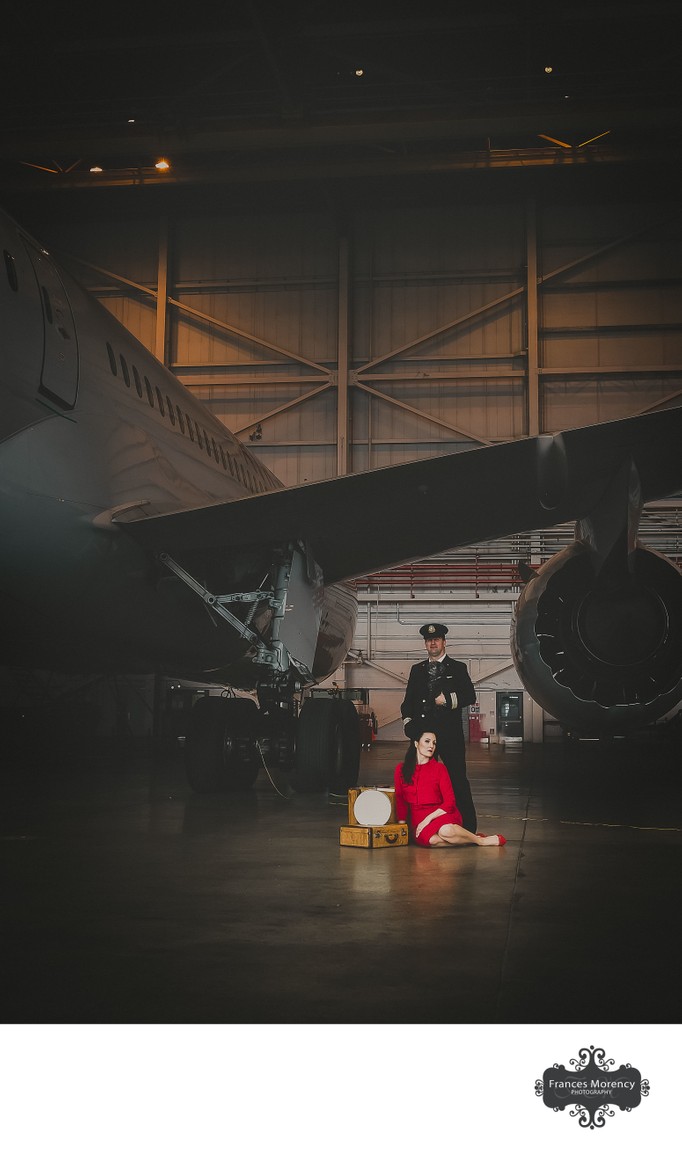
127, 898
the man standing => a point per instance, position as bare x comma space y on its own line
437, 690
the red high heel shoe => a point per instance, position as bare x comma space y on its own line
500, 837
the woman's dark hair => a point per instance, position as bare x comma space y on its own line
410, 761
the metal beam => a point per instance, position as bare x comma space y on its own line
506, 666
422, 414
457, 322
236, 380
659, 403
514, 294
162, 291
532, 319
343, 354
442, 376
606, 248
205, 317
258, 340
615, 369
285, 407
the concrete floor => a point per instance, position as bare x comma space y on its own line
127, 898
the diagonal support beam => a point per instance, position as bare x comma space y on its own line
219, 323
285, 407
204, 316
659, 403
514, 294
457, 322
422, 414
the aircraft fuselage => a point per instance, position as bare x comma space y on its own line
94, 430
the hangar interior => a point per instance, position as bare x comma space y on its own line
379, 237
358, 254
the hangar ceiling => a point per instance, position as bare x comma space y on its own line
260, 91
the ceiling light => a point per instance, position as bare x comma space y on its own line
162, 165
549, 69
95, 168
359, 71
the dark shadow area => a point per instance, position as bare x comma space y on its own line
128, 898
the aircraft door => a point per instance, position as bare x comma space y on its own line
59, 373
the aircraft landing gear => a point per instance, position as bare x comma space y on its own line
230, 739
328, 744
221, 752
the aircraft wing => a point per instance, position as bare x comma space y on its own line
357, 524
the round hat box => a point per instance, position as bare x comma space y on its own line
372, 808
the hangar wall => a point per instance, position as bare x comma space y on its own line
335, 344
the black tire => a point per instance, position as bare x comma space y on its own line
327, 747
220, 751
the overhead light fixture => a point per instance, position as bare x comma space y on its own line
162, 165
96, 168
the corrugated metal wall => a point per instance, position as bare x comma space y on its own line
442, 336
467, 323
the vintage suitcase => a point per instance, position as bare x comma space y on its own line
388, 835
371, 806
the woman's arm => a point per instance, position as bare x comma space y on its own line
429, 818
448, 796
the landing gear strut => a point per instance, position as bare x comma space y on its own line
231, 738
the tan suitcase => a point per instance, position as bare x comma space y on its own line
382, 795
389, 835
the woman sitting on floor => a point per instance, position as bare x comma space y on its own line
424, 791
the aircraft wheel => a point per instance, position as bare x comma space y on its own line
220, 751
327, 746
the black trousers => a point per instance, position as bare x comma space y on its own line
451, 751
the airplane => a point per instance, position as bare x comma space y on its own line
140, 535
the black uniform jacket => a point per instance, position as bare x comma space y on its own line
453, 682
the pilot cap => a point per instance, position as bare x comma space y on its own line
433, 631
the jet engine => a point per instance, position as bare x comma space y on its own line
601, 655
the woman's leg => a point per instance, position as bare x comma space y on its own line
452, 835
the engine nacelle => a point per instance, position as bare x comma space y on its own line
602, 658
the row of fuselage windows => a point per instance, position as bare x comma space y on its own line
186, 424
254, 480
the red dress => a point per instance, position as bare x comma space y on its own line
429, 790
